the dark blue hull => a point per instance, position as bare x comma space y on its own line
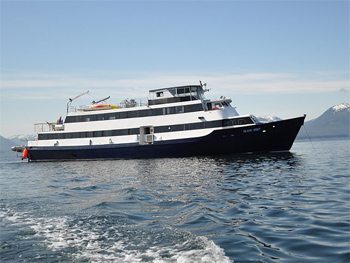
267, 137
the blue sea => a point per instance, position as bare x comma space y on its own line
285, 207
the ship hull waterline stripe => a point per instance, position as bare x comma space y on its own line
268, 137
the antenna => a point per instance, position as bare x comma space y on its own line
71, 100
204, 86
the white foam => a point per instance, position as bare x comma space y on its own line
94, 242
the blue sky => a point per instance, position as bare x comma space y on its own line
283, 58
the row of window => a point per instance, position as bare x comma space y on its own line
135, 131
134, 113
238, 121
171, 100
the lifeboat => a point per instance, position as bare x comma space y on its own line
100, 106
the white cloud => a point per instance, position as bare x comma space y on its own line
137, 85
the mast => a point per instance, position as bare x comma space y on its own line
78, 96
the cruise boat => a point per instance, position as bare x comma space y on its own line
176, 122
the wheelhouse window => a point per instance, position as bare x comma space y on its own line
180, 91
216, 105
160, 94
183, 90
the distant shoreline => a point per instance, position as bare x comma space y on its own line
322, 138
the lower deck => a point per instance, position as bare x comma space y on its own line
274, 136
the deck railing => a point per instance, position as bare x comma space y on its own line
47, 127
124, 104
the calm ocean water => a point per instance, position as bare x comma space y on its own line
262, 208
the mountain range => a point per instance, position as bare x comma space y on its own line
334, 122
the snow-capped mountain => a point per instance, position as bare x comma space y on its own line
21, 139
341, 107
334, 122
16, 140
265, 119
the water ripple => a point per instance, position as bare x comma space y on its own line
290, 207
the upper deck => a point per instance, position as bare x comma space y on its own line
176, 94
161, 102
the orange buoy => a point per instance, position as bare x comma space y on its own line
25, 154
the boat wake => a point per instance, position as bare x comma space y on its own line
111, 239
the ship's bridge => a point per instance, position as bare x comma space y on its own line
176, 94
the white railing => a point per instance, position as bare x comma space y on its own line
124, 104
47, 127
77, 108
